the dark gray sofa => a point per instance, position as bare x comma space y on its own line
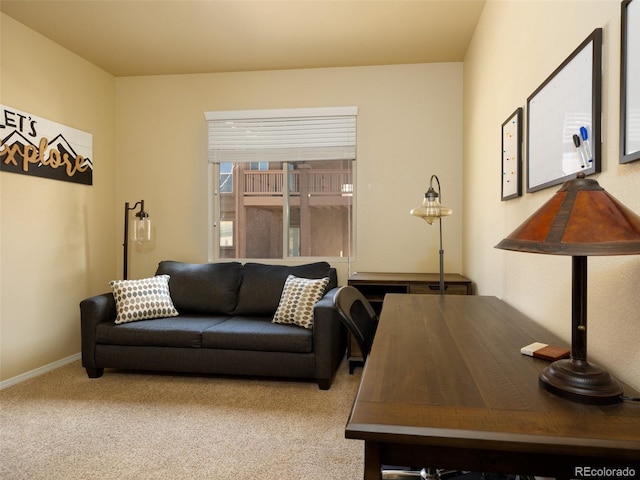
224, 326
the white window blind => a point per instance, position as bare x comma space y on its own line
285, 135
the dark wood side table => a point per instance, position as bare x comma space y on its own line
375, 285
451, 390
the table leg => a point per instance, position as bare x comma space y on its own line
372, 465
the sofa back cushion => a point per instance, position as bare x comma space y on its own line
206, 288
262, 285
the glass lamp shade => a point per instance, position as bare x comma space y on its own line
431, 210
140, 230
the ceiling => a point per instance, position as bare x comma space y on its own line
158, 37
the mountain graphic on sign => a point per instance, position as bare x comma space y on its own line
62, 145
40, 157
59, 143
17, 137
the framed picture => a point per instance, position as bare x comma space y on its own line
512, 156
630, 82
563, 119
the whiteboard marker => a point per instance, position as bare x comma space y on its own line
581, 155
586, 144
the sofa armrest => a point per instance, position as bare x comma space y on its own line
94, 310
329, 339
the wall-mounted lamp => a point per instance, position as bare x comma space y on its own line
140, 230
580, 220
430, 211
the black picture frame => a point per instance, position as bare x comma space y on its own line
630, 82
512, 156
563, 112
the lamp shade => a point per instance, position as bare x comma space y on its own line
581, 219
141, 229
431, 209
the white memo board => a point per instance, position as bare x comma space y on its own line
512, 155
630, 82
563, 119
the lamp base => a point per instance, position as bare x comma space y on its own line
580, 381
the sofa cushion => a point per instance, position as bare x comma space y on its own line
207, 288
142, 299
257, 334
183, 331
299, 295
262, 285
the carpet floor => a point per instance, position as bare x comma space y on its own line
63, 425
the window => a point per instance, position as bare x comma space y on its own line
283, 183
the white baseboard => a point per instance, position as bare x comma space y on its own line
39, 371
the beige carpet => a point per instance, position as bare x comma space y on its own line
63, 425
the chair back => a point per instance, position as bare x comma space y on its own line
358, 316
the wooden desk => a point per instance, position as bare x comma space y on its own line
446, 386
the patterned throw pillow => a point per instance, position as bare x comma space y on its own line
142, 299
299, 295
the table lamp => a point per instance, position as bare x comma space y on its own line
430, 211
580, 220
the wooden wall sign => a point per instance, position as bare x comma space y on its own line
36, 146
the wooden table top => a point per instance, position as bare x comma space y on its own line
448, 371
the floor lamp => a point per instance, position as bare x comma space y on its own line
580, 220
430, 211
140, 230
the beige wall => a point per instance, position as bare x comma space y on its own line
409, 127
56, 237
516, 46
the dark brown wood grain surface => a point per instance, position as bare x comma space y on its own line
446, 386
